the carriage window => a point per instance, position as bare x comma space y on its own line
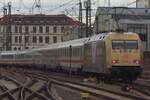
7, 56
63, 52
73, 52
131, 44
78, 52
117, 44
66, 52
81, 51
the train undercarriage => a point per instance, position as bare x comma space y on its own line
126, 74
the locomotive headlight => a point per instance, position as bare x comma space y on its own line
137, 61
114, 61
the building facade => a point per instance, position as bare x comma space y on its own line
130, 19
143, 3
34, 31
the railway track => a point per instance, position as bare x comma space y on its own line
95, 91
146, 75
139, 89
144, 88
32, 89
35, 85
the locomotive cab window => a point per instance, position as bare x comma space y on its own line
117, 44
131, 44
123, 44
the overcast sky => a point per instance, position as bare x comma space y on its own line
51, 6
69, 7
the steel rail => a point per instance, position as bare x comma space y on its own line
70, 84
9, 93
142, 88
23, 90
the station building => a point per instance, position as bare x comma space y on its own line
129, 19
143, 3
34, 31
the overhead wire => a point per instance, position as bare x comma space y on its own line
129, 4
60, 6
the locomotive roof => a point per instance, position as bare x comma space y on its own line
97, 37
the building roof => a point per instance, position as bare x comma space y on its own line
38, 20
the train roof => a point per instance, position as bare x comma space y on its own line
14, 52
8, 53
74, 43
77, 42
